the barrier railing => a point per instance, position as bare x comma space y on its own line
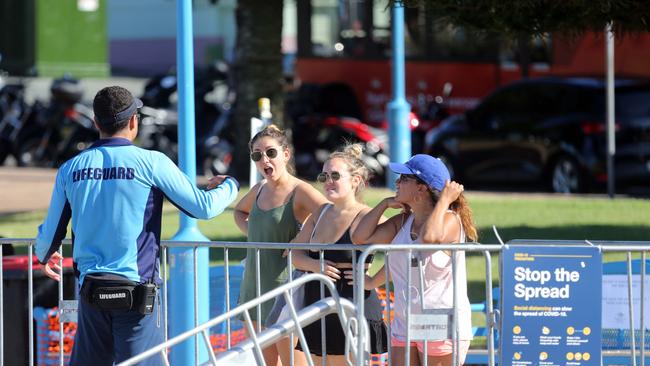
410, 248
490, 352
344, 308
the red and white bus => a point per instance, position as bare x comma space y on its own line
348, 41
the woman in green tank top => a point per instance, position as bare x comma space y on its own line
272, 211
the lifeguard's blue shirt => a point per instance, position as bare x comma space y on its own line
113, 192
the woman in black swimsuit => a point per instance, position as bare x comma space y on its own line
344, 176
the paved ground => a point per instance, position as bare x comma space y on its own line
39, 88
25, 189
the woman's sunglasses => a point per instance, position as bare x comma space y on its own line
322, 177
270, 153
405, 177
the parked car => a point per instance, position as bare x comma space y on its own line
549, 130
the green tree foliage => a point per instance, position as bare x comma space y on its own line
540, 16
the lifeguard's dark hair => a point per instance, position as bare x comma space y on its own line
351, 155
109, 102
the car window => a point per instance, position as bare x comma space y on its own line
632, 104
580, 100
547, 100
499, 107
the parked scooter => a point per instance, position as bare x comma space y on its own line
13, 112
55, 133
429, 113
322, 124
316, 136
426, 113
158, 130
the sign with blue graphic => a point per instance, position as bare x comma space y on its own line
551, 306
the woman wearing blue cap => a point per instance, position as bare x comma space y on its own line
434, 211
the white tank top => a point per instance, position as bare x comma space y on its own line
438, 282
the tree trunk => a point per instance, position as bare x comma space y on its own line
257, 69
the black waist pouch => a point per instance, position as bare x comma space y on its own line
109, 292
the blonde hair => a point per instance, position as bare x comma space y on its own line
351, 155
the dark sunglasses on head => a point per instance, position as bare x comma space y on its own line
270, 153
405, 177
322, 177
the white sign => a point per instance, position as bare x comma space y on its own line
615, 314
69, 310
430, 327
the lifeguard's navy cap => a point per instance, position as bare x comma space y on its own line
126, 113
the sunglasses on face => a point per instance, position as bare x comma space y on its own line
322, 177
271, 153
405, 177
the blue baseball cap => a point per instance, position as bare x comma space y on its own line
430, 170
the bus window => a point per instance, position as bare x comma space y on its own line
380, 29
346, 28
536, 52
324, 27
431, 37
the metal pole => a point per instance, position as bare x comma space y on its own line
165, 294
30, 301
642, 309
489, 310
257, 125
399, 134
611, 133
389, 306
407, 295
2, 310
181, 295
630, 298
226, 266
60, 289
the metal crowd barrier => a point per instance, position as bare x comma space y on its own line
361, 358
343, 307
454, 248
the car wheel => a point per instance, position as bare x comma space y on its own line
565, 176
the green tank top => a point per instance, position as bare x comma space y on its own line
277, 225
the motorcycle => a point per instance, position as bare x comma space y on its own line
214, 97
13, 112
322, 124
55, 133
429, 112
158, 130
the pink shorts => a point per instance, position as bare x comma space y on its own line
436, 348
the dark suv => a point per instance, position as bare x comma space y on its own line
549, 130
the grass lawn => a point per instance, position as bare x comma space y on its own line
515, 216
